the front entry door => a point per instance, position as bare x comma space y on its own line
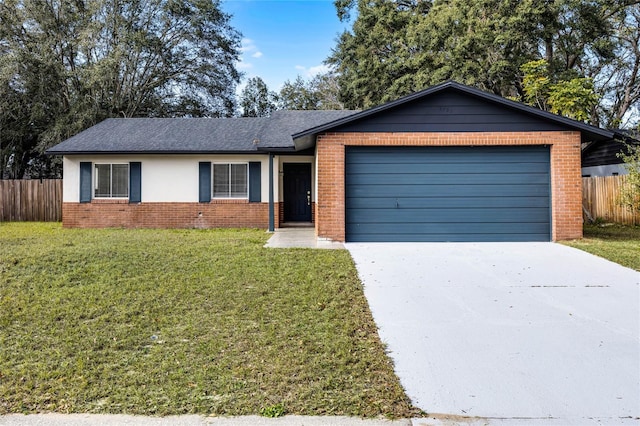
297, 192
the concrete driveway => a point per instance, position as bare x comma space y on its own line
508, 330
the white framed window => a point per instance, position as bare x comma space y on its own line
111, 181
230, 180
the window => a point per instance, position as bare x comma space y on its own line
230, 180
112, 181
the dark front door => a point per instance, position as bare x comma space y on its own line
297, 192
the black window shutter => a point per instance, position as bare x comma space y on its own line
254, 182
85, 182
135, 182
205, 182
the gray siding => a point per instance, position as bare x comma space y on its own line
603, 153
447, 194
450, 112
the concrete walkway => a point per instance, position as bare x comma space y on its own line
300, 238
533, 332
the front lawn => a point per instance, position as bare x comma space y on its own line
185, 321
618, 243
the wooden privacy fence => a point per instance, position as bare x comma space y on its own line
31, 200
600, 200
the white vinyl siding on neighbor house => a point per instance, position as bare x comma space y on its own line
230, 180
111, 180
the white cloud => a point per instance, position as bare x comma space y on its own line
248, 49
318, 69
247, 45
313, 71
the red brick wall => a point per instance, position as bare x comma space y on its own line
121, 214
566, 184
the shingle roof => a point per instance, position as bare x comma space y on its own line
194, 135
282, 124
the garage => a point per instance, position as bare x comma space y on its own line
447, 193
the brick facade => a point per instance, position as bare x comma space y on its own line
103, 213
121, 214
566, 183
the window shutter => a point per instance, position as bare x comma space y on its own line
85, 182
205, 182
135, 182
254, 182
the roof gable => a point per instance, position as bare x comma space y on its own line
453, 107
449, 111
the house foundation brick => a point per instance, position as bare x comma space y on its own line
566, 182
119, 214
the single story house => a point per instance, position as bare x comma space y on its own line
450, 163
602, 159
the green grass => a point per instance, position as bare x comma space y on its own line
618, 243
161, 322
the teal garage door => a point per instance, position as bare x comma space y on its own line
448, 194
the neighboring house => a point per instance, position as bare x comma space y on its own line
601, 159
450, 163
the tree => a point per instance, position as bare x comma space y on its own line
327, 90
400, 46
574, 98
630, 192
256, 100
66, 65
374, 60
319, 93
620, 85
297, 95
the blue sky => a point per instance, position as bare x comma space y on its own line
283, 39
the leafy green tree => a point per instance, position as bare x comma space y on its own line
256, 100
574, 98
67, 65
327, 89
297, 95
319, 93
399, 46
620, 82
630, 192
374, 59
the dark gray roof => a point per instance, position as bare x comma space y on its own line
194, 135
165, 135
282, 124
